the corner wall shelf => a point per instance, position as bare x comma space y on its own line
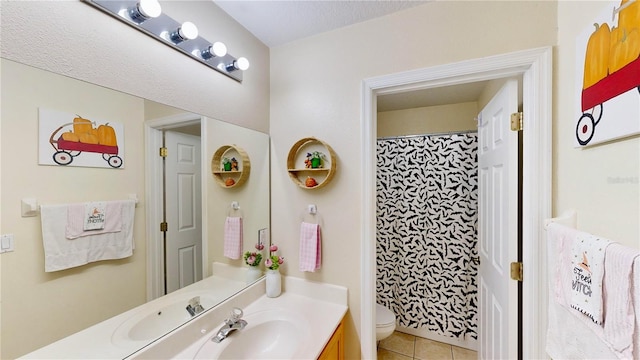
238, 176
296, 165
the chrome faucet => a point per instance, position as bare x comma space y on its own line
194, 308
233, 323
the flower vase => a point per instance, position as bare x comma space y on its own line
253, 274
274, 283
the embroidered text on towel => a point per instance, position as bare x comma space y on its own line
587, 263
94, 216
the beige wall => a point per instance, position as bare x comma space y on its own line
319, 94
601, 182
77, 40
154, 110
39, 307
428, 120
253, 196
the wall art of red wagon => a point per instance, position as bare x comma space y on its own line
80, 136
611, 68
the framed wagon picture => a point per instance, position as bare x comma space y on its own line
67, 139
608, 75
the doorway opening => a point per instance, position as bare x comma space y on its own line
535, 68
159, 282
427, 229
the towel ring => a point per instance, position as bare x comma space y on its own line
234, 209
310, 215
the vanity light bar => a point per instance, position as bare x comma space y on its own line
179, 36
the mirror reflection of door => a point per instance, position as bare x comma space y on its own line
182, 210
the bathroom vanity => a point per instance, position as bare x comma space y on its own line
304, 322
122, 335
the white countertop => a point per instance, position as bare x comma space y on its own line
322, 306
98, 341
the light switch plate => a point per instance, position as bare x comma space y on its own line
6, 243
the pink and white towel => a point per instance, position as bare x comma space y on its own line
618, 290
310, 247
571, 334
233, 237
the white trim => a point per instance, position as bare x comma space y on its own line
153, 195
536, 201
535, 66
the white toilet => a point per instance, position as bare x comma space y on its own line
385, 322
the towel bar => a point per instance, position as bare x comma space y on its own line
29, 206
567, 218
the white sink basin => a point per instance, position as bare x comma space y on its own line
269, 334
158, 320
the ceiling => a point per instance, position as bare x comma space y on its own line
279, 22
453, 94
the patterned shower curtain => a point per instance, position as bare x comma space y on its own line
426, 232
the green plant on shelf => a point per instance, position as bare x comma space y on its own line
314, 159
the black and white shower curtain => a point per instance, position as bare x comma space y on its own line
426, 232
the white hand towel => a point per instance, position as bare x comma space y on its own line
619, 307
310, 247
587, 265
61, 253
75, 220
233, 237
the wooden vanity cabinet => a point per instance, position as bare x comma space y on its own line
334, 350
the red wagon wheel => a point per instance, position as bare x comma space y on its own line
586, 126
114, 161
62, 157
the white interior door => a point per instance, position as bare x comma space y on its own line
183, 244
498, 226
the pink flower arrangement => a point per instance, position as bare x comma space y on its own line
253, 258
273, 262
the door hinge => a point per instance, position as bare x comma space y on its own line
164, 226
163, 152
516, 271
516, 121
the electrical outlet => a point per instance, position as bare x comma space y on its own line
6, 243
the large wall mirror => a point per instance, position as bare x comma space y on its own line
40, 307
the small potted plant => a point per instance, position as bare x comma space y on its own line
226, 164
274, 280
253, 258
314, 159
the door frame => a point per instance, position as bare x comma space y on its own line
153, 195
535, 67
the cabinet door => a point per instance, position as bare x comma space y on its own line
334, 350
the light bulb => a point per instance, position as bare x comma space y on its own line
239, 64
242, 63
187, 31
144, 10
218, 49
150, 8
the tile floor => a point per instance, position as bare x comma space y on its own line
401, 346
